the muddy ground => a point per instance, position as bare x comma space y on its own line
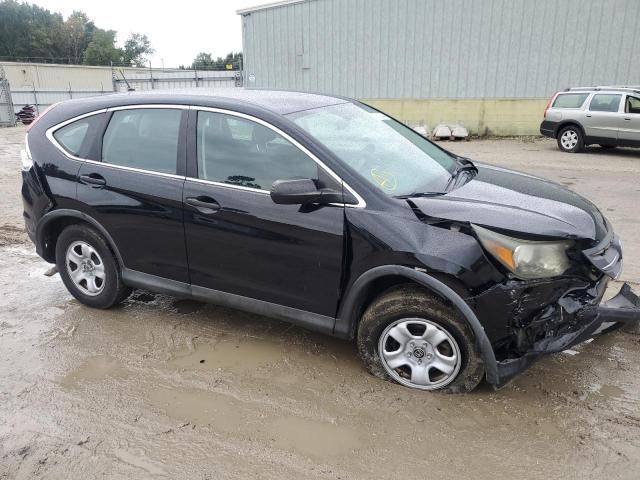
163, 388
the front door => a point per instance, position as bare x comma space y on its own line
238, 240
629, 133
135, 191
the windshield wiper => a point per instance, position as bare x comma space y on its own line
418, 194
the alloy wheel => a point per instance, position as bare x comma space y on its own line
569, 139
85, 268
419, 353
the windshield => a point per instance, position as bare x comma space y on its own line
386, 153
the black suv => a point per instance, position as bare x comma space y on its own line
324, 212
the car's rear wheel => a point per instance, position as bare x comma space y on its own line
570, 139
411, 337
88, 268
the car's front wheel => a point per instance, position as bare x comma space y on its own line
88, 268
411, 337
570, 139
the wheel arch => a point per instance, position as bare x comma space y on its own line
51, 225
367, 286
567, 123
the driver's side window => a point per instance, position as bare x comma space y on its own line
242, 152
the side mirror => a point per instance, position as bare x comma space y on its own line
302, 191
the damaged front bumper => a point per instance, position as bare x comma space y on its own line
588, 315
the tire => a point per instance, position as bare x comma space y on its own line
98, 282
412, 308
571, 139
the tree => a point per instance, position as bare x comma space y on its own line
32, 33
102, 50
28, 31
205, 61
136, 50
78, 31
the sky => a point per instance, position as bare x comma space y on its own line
178, 29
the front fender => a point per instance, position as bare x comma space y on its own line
346, 321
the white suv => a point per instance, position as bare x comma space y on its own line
607, 116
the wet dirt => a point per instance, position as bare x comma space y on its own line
167, 388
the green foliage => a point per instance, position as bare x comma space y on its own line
205, 61
101, 49
32, 33
136, 49
29, 31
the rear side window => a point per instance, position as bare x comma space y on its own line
242, 152
570, 100
145, 138
605, 102
76, 138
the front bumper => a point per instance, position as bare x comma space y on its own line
624, 307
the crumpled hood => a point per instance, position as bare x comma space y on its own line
515, 201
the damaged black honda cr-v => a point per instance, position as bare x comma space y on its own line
326, 213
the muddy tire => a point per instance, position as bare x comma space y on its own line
437, 336
571, 139
88, 268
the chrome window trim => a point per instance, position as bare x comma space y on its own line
51, 130
143, 106
361, 203
229, 185
49, 134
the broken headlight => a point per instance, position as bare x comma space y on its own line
526, 259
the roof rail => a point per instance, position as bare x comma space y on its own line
622, 88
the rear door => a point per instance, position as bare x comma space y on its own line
239, 241
602, 118
629, 134
134, 188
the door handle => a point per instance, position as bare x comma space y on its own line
588, 115
628, 119
93, 180
203, 204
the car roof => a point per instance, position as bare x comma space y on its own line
280, 102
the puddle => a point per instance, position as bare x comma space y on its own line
610, 391
312, 438
92, 370
199, 407
231, 354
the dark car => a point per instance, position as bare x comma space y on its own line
326, 213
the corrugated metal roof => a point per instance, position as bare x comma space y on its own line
282, 3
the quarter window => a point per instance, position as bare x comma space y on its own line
76, 137
145, 138
570, 100
604, 102
241, 152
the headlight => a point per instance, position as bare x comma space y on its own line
527, 259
